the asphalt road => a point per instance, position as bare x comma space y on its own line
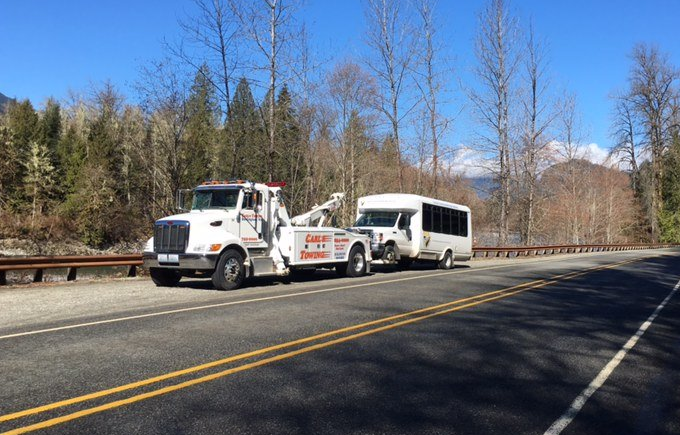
585, 344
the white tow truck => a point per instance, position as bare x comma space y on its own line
238, 229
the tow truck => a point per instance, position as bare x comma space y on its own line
237, 229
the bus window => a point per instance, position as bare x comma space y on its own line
463, 224
427, 217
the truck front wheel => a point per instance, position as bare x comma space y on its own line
164, 277
230, 272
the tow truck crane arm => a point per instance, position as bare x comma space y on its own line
319, 212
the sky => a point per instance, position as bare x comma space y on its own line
51, 48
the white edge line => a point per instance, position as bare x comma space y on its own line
268, 298
245, 301
561, 423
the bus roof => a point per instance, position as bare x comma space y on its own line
403, 202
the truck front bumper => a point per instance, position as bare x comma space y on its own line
180, 261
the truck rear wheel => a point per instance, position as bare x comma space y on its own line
164, 277
356, 266
230, 272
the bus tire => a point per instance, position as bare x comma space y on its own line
390, 254
446, 262
230, 271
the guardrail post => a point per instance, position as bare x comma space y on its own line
72, 272
3, 278
38, 277
132, 272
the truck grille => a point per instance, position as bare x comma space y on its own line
171, 237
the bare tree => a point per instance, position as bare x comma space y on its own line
353, 93
538, 116
388, 37
267, 24
164, 95
211, 39
626, 136
213, 33
652, 84
569, 148
498, 59
430, 84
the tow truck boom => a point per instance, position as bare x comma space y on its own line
318, 212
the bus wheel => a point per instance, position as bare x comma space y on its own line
390, 254
230, 272
446, 262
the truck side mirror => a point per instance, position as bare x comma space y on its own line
182, 198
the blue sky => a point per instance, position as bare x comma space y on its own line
48, 48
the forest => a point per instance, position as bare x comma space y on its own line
243, 95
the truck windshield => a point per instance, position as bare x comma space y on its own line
215, 199
377, 219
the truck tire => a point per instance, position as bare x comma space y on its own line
446, 262
164, 277
230, 272
356, 266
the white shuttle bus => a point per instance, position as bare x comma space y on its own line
408, 227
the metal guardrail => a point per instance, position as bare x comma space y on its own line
70, 262
516, 251
132, 261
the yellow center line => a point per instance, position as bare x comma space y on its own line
271, 298
425, 313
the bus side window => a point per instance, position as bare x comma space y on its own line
464, 224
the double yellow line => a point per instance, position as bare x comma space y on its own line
356, 331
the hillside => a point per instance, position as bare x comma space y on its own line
4, 100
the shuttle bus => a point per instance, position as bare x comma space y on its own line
406, 228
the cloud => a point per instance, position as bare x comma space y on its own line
469, 162
597, 154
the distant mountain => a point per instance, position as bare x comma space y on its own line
4, 100
483, 185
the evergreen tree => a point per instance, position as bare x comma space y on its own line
71, 153
49, 127
22, 121
669, 218
38, 179
48, 135
201, 135
246, 159
8, 165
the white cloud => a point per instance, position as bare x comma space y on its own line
469, 162
597, 154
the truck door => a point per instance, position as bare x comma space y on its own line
252, 220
